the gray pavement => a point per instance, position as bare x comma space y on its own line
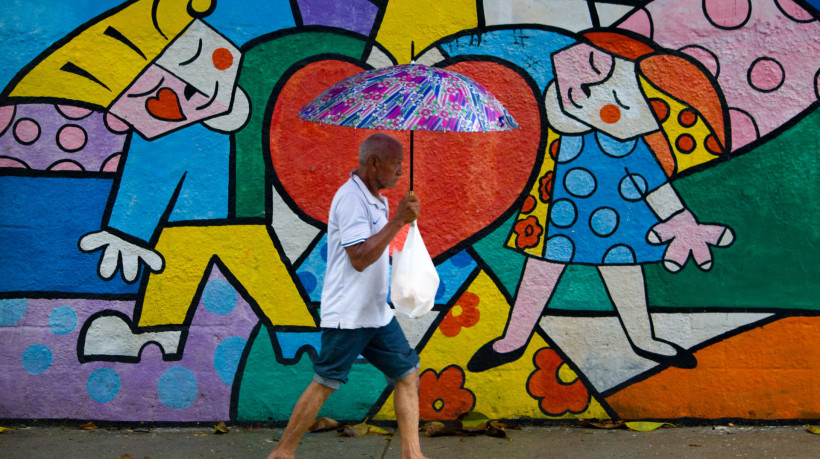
568, 441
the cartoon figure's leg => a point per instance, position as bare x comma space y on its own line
627, 290
537, 286
249, 255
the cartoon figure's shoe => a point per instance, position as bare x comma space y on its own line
486, 358
683, 358
111, 336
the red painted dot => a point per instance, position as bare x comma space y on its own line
687, 117
610, 114
712, 145
222, 58
660, 108
529, 205
554, 147
685, 143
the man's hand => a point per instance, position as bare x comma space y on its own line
685, 235
408, 210
119, 252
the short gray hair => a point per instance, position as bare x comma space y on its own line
376, 144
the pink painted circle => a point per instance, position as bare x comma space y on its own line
704, 56
6, 115
72, 112
112, 163
26, 130
71, 138
766, 74
13, 163
727, 14
65, 165
115, 124
794, 11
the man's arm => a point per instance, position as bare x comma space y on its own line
366, 253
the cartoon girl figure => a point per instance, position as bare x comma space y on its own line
624, 119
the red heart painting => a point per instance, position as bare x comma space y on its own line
464, 181
165, 106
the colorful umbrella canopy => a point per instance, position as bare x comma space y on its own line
411, 97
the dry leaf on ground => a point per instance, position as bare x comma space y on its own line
647, 426
323, 424
602, 424
814, 430
221, 428
89, 426
355, 431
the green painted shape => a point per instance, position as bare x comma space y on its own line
262, 68
269, 389
507, 265
769, 197
580, 288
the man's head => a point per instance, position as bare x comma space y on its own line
380, 158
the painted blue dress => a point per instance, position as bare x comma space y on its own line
597, 210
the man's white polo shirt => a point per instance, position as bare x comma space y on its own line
353, 299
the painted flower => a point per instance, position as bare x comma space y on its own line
548, 385
464, 313
442, 396
528, 232
545, 188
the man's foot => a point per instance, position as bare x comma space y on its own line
486, 357
111, 336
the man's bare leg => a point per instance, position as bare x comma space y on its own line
304, 413
406, 402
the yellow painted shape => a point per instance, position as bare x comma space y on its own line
541, 208
248, 253
423, 22
107, 59
500, 392
672, 129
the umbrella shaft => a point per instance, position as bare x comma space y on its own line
411, 160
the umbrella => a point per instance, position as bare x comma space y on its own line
410, 97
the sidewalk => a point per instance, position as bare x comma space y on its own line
528, 442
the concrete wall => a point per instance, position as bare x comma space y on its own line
646, 243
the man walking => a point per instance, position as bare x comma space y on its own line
355, 317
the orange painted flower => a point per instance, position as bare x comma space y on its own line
545, 188
528, 232
442, 396
464, 313
555, 396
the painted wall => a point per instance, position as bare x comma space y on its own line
644, 246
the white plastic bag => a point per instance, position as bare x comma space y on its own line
415, 281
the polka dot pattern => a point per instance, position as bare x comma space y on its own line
62, 320
60, 138
762, 55
597, 213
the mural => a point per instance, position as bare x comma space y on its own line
644, 246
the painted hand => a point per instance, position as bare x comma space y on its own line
685, 235
118, 252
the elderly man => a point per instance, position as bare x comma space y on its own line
355, 316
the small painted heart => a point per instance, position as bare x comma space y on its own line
165, 106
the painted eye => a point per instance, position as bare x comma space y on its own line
222, 58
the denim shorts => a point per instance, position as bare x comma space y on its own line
385, 347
